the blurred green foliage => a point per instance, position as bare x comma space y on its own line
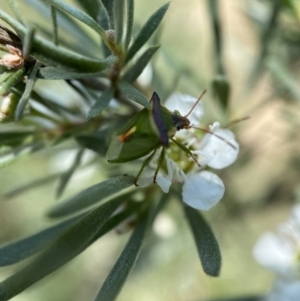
246, 53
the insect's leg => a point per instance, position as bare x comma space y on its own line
145, 163
186, 150
160, 161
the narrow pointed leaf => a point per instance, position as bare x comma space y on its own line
120, 271
79, 40
221, 89
49, 54
26, 95
207, 244
109, 8
14, 137
15, 8
65, 178
95, 141
54, 25
119, 20
216, 25
115, 220
12, 80
58, 74
129, 22
147, 31
92, 7
91, 195
132, 74
71, 243
133, 94
100, 104
78, 14
28, 246
33, 184
28, 42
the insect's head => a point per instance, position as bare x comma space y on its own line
180, 122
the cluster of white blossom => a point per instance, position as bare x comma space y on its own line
280, 252
202, 189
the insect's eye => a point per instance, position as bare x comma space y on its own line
176, 113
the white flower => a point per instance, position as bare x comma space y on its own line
280, 251
201, 190
216, 152
218, 149
284, 290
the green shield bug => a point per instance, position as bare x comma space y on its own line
149, 130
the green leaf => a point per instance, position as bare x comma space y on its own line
132, 74
100, 104
49, 54
133, 94
129, 23
119, 20
147, 31
92, 7
15, 8
216, 25
109, 8
207, 244
14, 137
15, 154
58, 74
27, 43
28, 89
12, 80
54, 24
33, 184
71, 243
221, 89
268, 31
28, 246
285, 77
78, 14
65, 178
120, 271
95, 142
91, 196
78, 40
116, 219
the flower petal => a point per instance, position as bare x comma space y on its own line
216, 152
146, 179
183, 103
202, 190
276, 253
284, 290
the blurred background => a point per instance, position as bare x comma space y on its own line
259, 56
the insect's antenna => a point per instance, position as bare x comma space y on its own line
216, 135
236, 121
191, 110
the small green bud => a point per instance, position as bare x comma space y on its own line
111, 35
